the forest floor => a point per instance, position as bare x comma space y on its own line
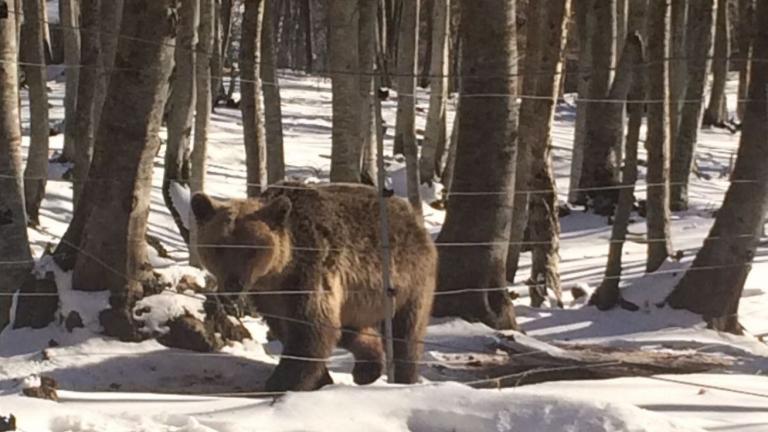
108, 385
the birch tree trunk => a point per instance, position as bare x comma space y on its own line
251, 103
657, 143
485, 161
33, 52
343, 17
271, 88
85, 118
545, 57
368, 106
716, 113
407, 68
713, 285
435, 134
698, 48
746, 28
182, 103
14, 248
112, 252
70, 22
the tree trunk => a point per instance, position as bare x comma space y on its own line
430, 166
544, 59
85, 118
111, 15
450, 159
585, 21
216, 54
599, 168
713, 285
112, 252
271, 88
746, 28
343, 17
485, 162
367, 61
15, 254
426, 22
225, 15
717, 112
407, 68
607, 294
182, 103
657, 142
70, 22
677, 66
698, 47
251, 103
306, 16
32, 50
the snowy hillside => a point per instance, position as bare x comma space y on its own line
108, 385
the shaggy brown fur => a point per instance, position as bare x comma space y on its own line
325, 239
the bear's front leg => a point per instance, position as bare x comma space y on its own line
305, 348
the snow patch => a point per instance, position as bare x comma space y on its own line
155, 311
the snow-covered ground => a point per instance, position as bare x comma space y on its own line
108, 385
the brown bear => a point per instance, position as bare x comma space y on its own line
316, 253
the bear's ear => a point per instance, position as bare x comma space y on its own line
202, 207
276, 211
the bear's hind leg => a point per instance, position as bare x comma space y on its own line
365, 344
408, 330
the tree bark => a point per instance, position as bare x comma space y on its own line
343, 17
545, 57
368, 106
435, 134
677, 66
657, 142
70, 22
306, 16
271, 88
745, 34
14, 248
599, 168
698, 48
182, 111
585, 21
485, 161
225, 15
112, 252
716, 113
407, 68
111, 15
713, 285
33, 52
251, 103
607, 294
85, 118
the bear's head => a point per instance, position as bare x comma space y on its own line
241, 241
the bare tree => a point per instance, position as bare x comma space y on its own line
585, 21
407, 68
343, 19
435, 135
543, 65
85, 118
698, 46
111, 15
369, 108
33, 52
271, 88
677, 66
112, 252
657, 142
746, 28
607, 294
717, 112
306, 20
182, 101
14, 249
251, 104
713, 285
70, 23
485, 161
